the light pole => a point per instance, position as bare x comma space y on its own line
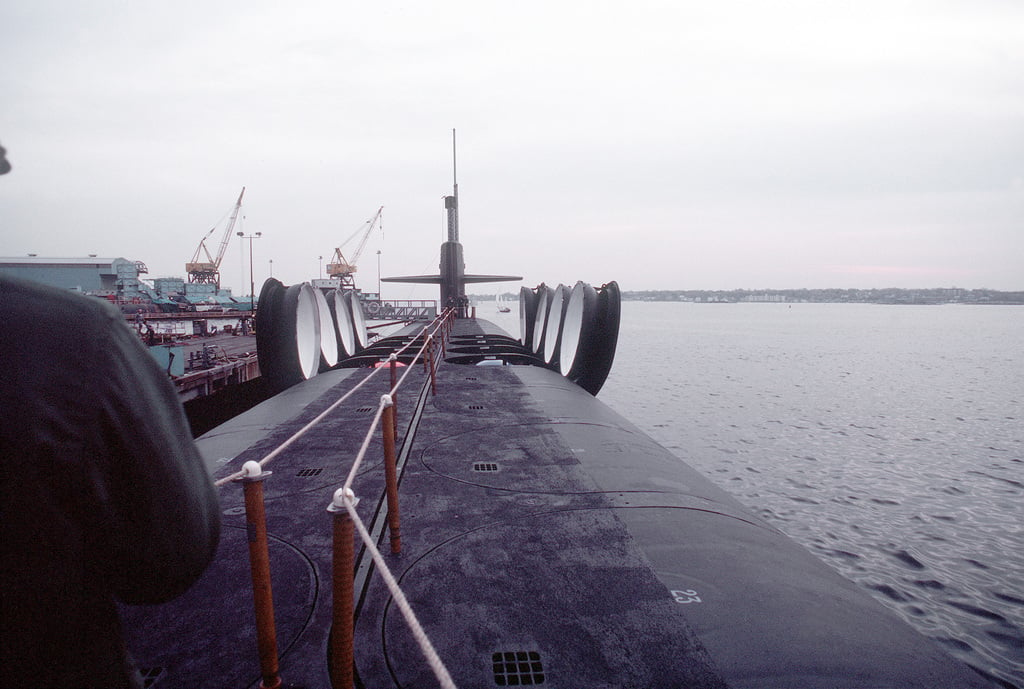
378, 275
321, 259
252, 282
271, 267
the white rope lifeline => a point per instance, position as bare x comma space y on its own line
433, 660
411, 366
302, 431
385, 401
305, 429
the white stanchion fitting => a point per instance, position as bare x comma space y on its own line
251, 469
393, 357
386, 401
342, 496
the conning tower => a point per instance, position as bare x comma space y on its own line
452, 275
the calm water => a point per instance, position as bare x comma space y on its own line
887, 439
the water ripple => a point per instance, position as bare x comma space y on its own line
894, 452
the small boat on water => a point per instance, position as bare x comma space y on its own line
503, 306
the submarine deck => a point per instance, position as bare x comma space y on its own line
545, 541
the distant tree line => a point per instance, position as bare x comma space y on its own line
891, 295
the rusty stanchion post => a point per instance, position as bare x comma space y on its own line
391, 474
259, 561
426, 339
393, 360
430, 366
342, 639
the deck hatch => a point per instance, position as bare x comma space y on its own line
517, 668
307, 472
485, 466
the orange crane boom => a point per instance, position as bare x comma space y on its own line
342, 268
208, 271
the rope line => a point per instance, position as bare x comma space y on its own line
385, 401
349, 500
433, 660
419, 354
438, 322
302, 431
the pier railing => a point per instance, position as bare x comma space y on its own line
400, 309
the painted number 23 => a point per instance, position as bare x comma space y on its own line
688, 596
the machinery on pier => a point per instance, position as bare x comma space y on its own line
208, 270
341, 268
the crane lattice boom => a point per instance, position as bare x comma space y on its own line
208, 271
342, 268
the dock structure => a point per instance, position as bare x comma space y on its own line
545, 540
203, 366
208, 381
401, 309
204, 352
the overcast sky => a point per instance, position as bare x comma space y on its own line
690, 145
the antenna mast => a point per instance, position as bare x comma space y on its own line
451, 203
451, 274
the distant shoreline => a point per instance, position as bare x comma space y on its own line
938, 295
890, 295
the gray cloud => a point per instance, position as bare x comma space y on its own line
699, 145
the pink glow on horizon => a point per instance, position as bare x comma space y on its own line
896, 270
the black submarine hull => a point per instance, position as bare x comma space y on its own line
546, 541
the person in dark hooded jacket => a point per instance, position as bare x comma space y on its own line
103, 494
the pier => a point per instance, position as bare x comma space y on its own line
203, 351
213, 363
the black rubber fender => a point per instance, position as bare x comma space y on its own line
553, 327
287, 334
602, 343
342, 312
355, 305
328, 332
527, 314
578, 331
540, 320
270, 335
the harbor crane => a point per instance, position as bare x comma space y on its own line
342, 268
208, 271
